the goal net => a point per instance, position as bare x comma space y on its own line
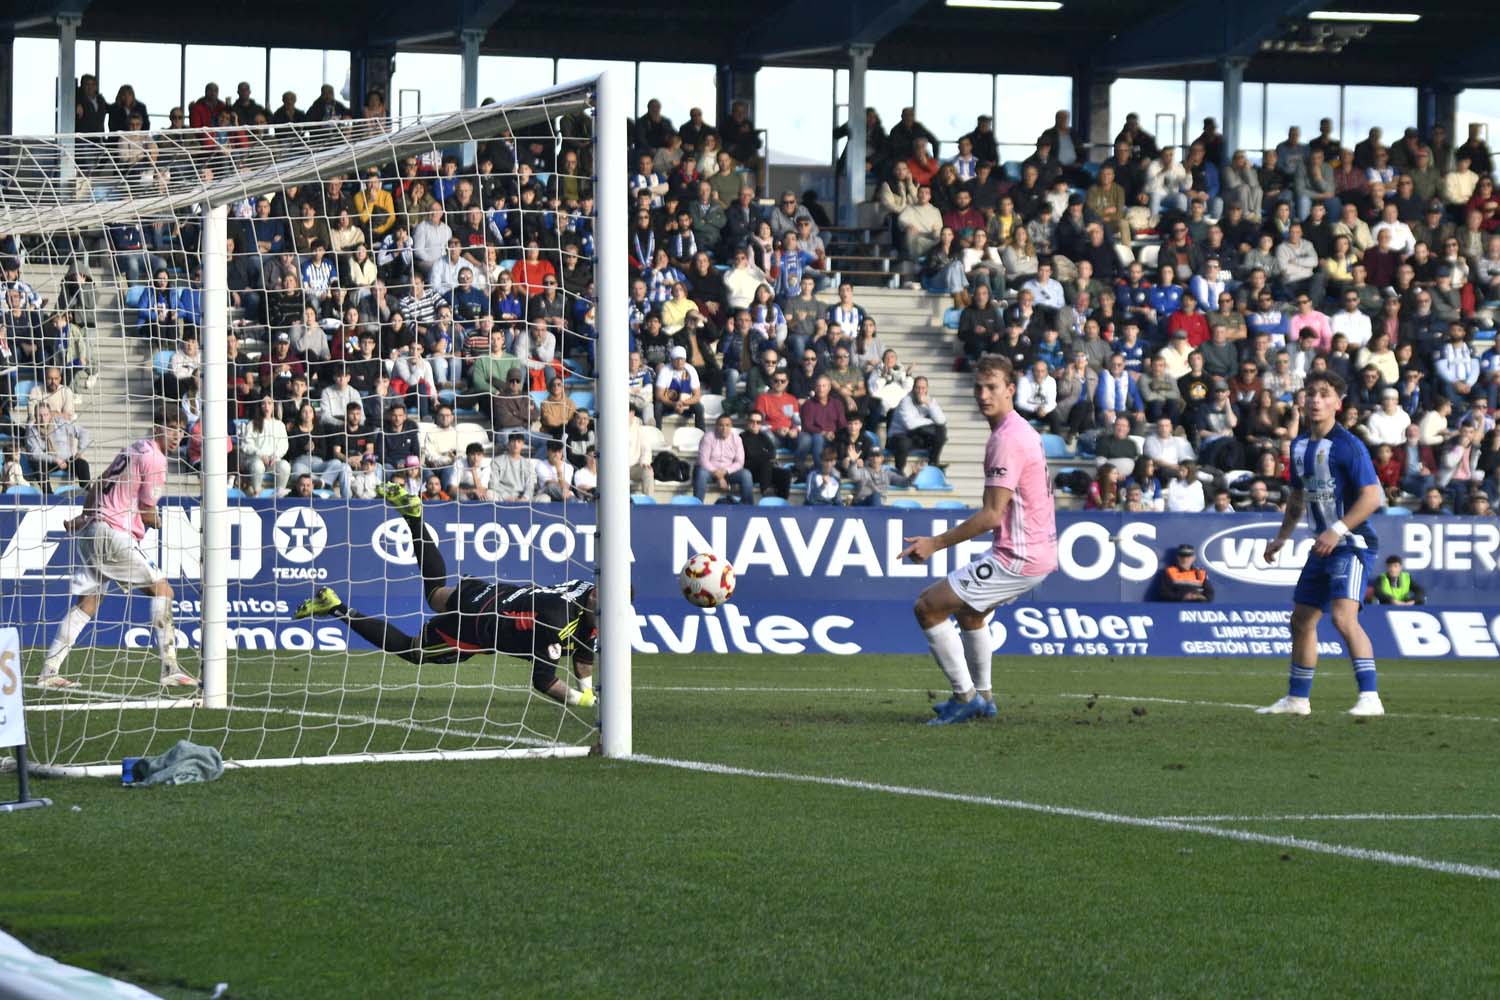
311, 324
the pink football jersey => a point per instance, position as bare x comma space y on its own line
135, 479
1026, 541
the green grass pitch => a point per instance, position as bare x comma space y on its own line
595, 878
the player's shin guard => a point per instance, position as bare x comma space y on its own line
1299, 682
1364, 674
68, 631
948, 650
979, 651
166, 634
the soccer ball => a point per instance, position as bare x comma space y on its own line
707, 580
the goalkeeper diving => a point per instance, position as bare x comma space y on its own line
478, 616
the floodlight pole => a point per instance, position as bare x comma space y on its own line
214, 559
612, 362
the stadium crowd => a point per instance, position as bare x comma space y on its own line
1163, 313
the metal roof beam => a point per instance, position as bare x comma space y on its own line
1199, 31
412, 24
831, 25
37, 13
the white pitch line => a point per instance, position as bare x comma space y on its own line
1332, 817
1115, 819
1234, 704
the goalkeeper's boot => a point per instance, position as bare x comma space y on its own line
959, 711
176, 677
323, 602
406, 504
1287, 705
50, 678
1367, 705
586, 698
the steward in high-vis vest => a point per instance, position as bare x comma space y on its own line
1395, 586
1183, 581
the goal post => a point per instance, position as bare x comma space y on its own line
274, 693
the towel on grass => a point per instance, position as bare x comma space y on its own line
183, 764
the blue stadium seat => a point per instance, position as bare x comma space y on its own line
538, 396
23, 491
1397, 512
161, 361
583, 400
190, 304
904, 504
773, 502
1092, 169
642, 500
950, 505
686, 500
63, 491
1012, 170
931, 478
235, 493
134, 296
950, 318
1053, 446
447, 396
23, 391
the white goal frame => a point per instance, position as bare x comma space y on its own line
613, 658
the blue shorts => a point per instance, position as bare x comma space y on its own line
1341, 575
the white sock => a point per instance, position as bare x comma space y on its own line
67, 633
572, 696
166, 635
978, 653
949, 652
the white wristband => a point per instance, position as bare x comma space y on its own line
1339, 528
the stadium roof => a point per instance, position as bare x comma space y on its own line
1451, 43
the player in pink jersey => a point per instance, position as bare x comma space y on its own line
117, 509
1018, 509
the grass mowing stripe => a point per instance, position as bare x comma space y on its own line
1117, 819
1330, 817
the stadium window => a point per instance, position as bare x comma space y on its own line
1300, 104
228, 66
1252, 120
153, 69
426, 83
792, 106
297, 70
504, 77
1205, 99
949, 103
1148, 99
1391, 109
886, 90
1025, 107
1476, 106
680, 87
35, 59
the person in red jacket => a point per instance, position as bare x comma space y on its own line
1191, 321
531, 273
204, 112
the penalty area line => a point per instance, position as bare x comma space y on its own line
1114, 819
1235, 704
1334, 818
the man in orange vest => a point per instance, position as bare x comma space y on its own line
1183, 581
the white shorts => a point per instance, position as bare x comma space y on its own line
984, 584
108, 556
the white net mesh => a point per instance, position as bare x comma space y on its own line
386, 281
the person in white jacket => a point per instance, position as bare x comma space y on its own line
1167, 183
262, 447
1036, 397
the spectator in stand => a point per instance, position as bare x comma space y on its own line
1297, 261
1169, 451
513, 477
918, 422
1388, 424
679, 389
1118, 395
1456, 365
823, 416
262, 447
400, 443
53, 393
1166, 185
1185, 492
721, 459
555, 476
1184, 581
1259, 501
1036, 398
55, 444
872, 480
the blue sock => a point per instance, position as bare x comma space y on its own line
1364, 674
1299, 682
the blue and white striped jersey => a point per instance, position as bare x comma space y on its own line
1330, 471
